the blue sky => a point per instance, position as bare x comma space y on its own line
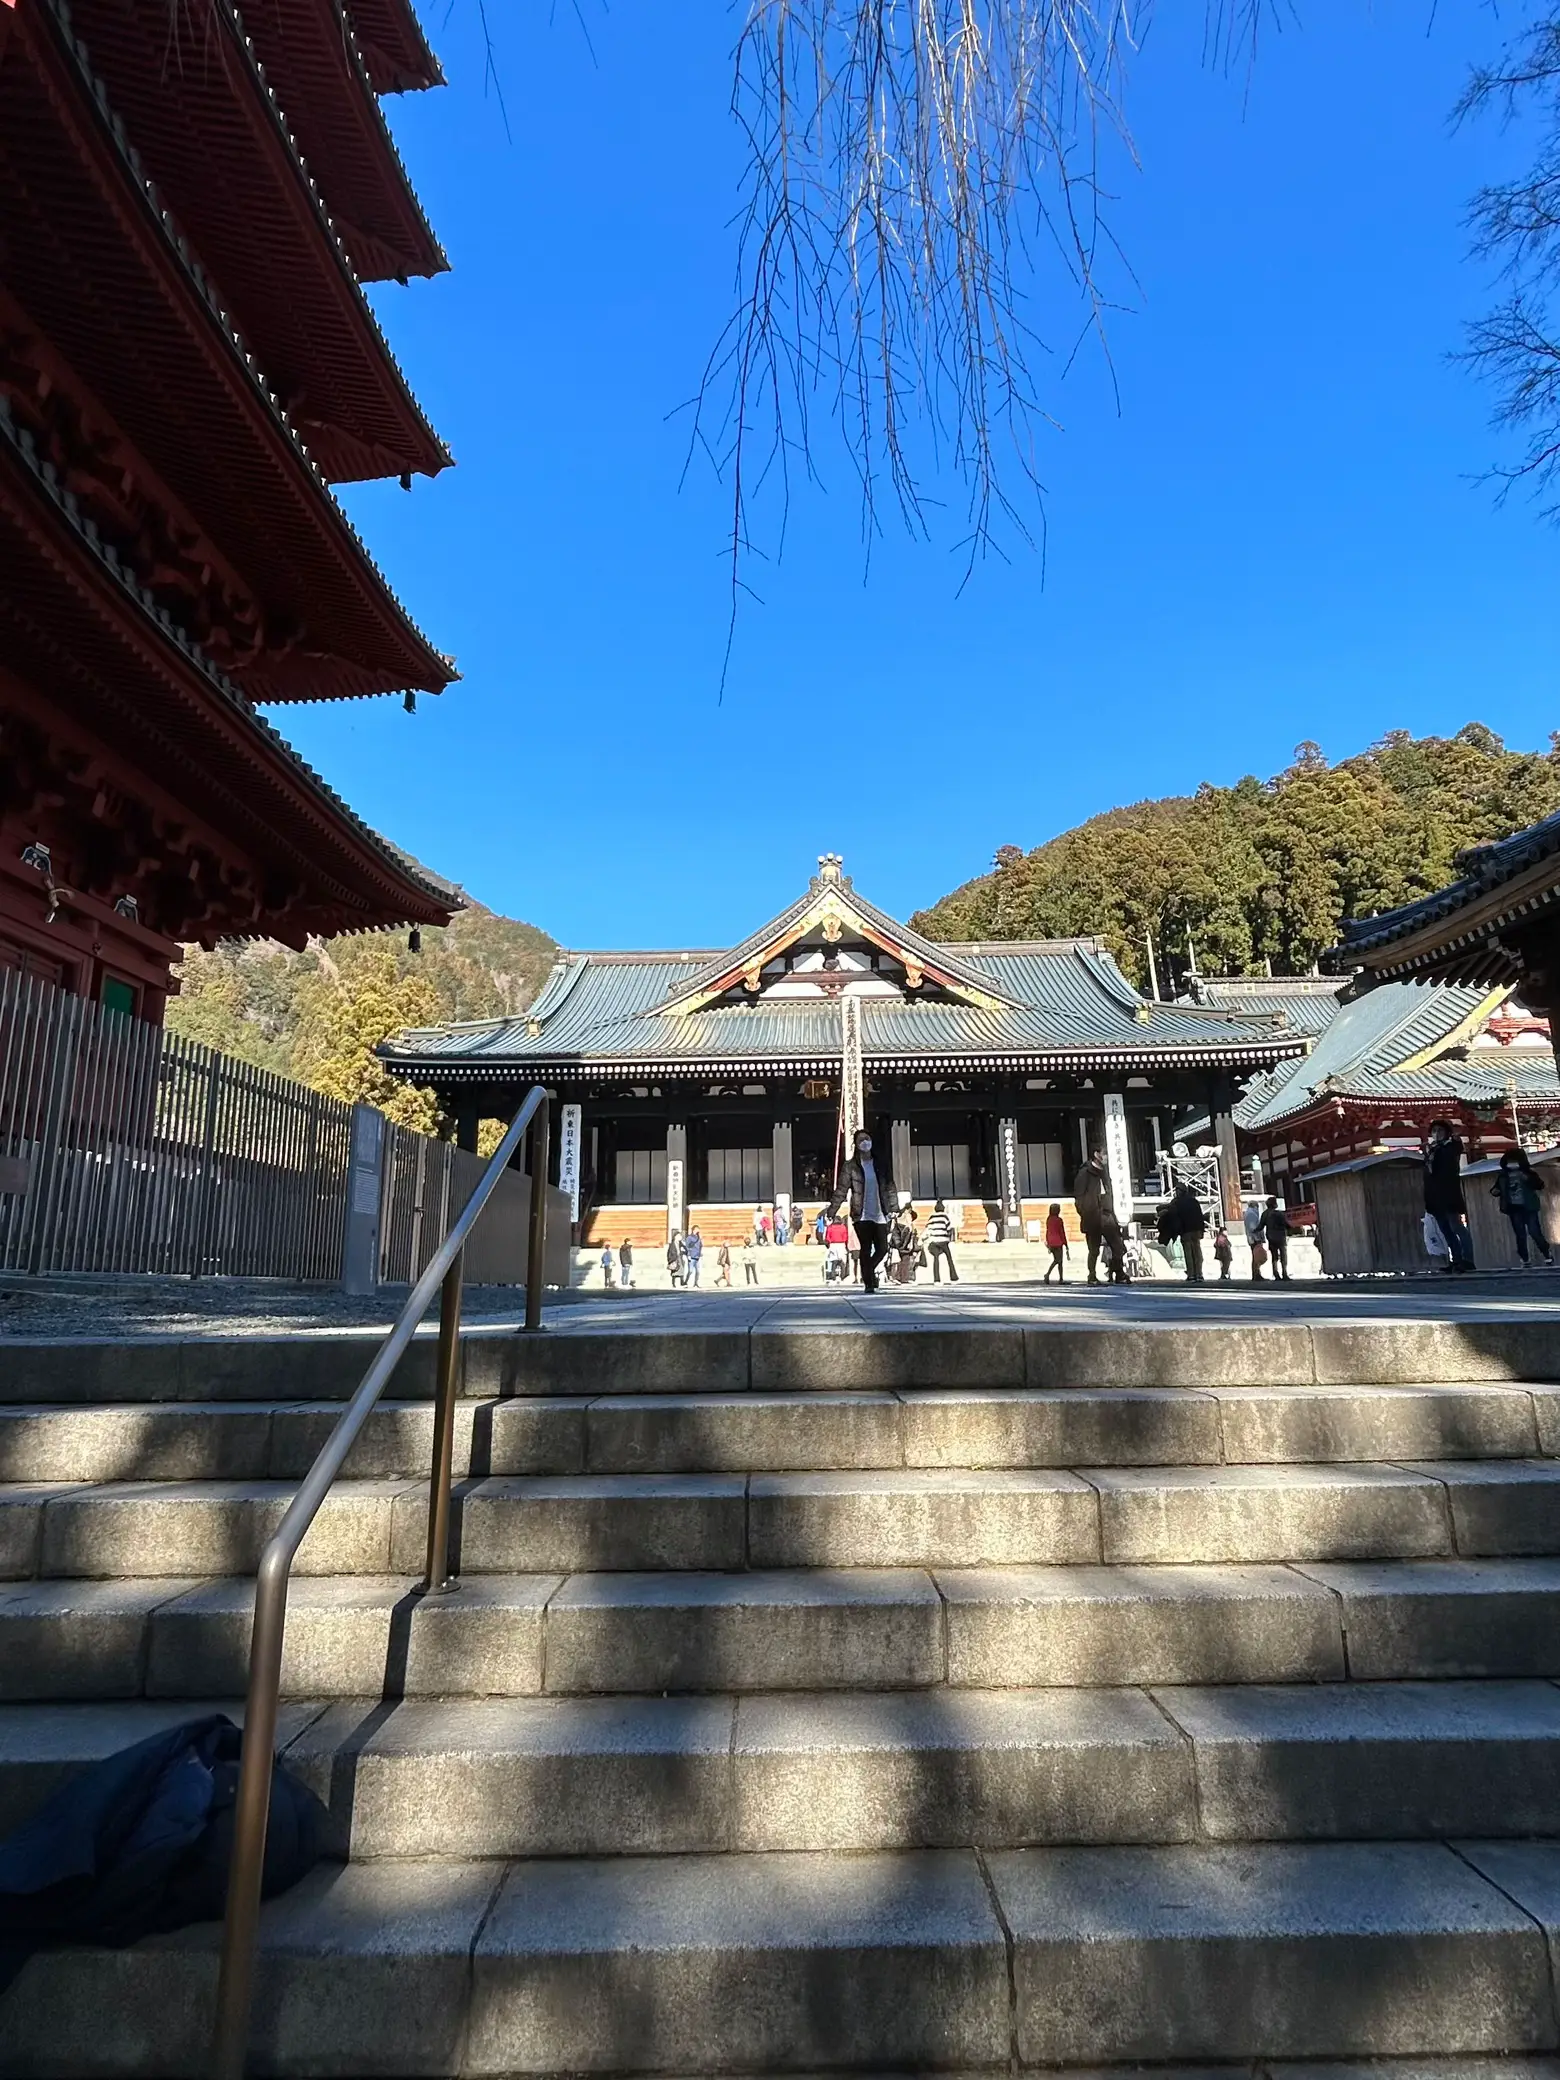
1276, 533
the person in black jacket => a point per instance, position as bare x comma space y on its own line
866, 1182
1274, 1230
1097, 1218
1184, 1221
1444, 1193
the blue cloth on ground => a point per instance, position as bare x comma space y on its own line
141, 1842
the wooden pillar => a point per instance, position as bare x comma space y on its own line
1221, 1103
467, 1120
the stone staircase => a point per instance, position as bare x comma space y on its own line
922, 1700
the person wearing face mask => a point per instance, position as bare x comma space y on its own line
1444, 1193
865, 1182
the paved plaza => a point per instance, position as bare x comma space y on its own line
243, 1307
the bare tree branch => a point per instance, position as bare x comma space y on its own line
1516, 225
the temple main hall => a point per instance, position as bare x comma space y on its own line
695, 1086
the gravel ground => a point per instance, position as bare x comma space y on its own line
218, 1307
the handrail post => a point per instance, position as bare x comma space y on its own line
252, 1812
438, 1575
536, 1255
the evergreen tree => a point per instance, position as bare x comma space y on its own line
1264, 870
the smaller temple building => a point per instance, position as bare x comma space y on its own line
696, 1086
1499, 924
1382, 1065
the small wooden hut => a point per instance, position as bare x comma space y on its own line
1370, 1214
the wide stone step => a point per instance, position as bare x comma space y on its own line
789, 1355
937, 1769
912, 1517
901, 1770
798, 1432
793, 1629
741, 1963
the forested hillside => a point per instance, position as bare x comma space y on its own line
1265, 870
318, 1015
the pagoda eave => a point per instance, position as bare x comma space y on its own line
172, 791
97, 273
327, 81
210, 133
394, 47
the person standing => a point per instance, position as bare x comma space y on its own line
1223, 1252
939, 1244
1184, 1221
1444, 1193
626, 1264
907, 1246
866, 1182
676, 1263
749, 1262
695, 1248
1252, 1221
723, 1264
1275, 1233
608, 1266
782, 1230
1516, 1189
1097, 1218
1056, 1243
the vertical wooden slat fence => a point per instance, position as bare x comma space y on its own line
140, 1152
415, 1209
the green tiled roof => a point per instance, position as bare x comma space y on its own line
1357, 1058
1067, 1006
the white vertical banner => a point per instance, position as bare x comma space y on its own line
570, 1136
674, 1196
852, 1098
1012, 1205
1118, 1156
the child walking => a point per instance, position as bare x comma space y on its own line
1056, 1243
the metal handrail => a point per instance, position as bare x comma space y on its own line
252, 1811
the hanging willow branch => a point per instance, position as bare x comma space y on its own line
903, 158
911, 164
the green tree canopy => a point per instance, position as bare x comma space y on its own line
1266, 870
318, 1015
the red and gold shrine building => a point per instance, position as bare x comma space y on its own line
190, 202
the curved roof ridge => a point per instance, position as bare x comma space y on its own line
562, 981
820, 889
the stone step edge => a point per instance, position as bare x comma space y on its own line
946, 1960
562, 1435
1144, 1765
581, 1634
947, 1354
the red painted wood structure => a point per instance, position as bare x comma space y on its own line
189, 202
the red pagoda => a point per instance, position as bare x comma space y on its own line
189, 204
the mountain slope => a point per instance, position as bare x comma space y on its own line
1263, 870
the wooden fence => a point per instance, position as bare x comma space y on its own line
126, 1149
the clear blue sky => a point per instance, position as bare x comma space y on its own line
1276, 536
